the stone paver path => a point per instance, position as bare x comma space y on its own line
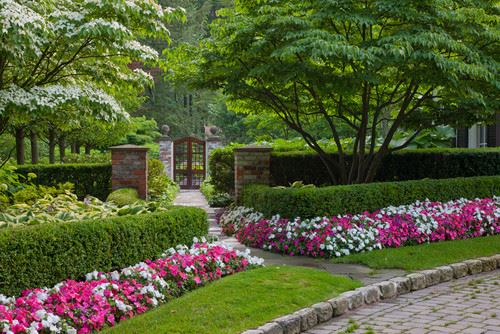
465, 306
366, 275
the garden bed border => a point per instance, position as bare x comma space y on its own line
306, 318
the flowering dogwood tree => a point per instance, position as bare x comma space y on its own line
60, 53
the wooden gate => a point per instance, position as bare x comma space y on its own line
189, 162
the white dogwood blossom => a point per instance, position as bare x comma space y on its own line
60, 54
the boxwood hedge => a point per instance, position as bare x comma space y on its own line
43, 255
333, 200
89, 179
405, 165
291, 166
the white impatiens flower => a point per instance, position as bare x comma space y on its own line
92, 276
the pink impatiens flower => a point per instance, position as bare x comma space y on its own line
417, 223
105, 298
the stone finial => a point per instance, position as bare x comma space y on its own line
165, 130
212, 132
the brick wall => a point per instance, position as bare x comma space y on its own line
130, 168
252, 166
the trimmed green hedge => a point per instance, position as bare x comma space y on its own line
43, 255
288, 167
89, 179
405, 165
333, 200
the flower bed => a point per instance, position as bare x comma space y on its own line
106, 298
416, 223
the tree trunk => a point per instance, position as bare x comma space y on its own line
34, 147
77, 147
73, 148
88, 149
20, 146
52, 146
3, 124
62, 148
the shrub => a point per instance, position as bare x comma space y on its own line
160, 186
124, 196
9, 184
93, 158
46, 254
221, 167
405, 165
333, 200
440, 164
290, 166
89, 179
215, 198
220, 200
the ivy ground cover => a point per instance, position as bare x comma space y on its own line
417, 223
104, 299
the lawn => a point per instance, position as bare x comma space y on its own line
239, 302
427, 255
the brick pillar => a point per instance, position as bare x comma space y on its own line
252, 165
167, 155
130, 168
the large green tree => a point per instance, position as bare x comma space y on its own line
372, 66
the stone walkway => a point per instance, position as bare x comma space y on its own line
466, 306
366, 275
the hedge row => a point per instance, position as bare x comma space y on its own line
43, 255
89, 179
287, 167
405, 165
334, 200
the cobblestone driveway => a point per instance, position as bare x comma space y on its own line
470, 306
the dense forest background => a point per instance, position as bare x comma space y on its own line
187, 111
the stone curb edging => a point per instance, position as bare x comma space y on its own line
306, 318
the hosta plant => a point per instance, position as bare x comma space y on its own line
66, 207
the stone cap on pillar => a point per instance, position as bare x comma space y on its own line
129, 147
254, 148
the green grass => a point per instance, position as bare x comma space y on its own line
427, 255
239, 302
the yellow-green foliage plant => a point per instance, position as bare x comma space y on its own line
67, 208
160, 186
124, 196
